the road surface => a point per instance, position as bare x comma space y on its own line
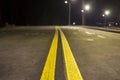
56, 53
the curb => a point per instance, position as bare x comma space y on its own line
105, 29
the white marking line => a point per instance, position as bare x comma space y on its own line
90, 39
90, 33
74, 28
100, 36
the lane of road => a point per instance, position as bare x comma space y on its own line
97, 53
23, 52
72, 71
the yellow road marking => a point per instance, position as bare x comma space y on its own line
49, 68
72, 70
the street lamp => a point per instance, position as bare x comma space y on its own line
83, 15
106, 13
85, 8
66, 2
69, 16
103, 15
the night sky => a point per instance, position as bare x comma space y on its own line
55, 12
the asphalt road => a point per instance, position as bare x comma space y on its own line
97, 53
23, 53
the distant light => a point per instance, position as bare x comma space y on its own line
87, 7
74, 23
107, 12
66, 2
116, 24
82, 11
103, 15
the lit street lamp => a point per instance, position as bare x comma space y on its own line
69, 16
83, 15
85, 8
66, 2
103, 15
106, 13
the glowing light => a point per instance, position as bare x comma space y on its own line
82, 11
103, 15
87, 7
66, 2
107, 12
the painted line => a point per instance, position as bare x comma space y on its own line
72, 70
90, 33
90, 39
49, 68
100, 36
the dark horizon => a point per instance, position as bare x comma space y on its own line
54, 12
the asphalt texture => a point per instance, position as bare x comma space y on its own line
60, 73
97, 53
23, 52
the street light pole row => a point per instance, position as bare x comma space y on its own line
85, 8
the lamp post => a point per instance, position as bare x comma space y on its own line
85, 8
69, 2
69, 22
69, 13
83, 15
106, 13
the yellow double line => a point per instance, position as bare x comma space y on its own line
72, 70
